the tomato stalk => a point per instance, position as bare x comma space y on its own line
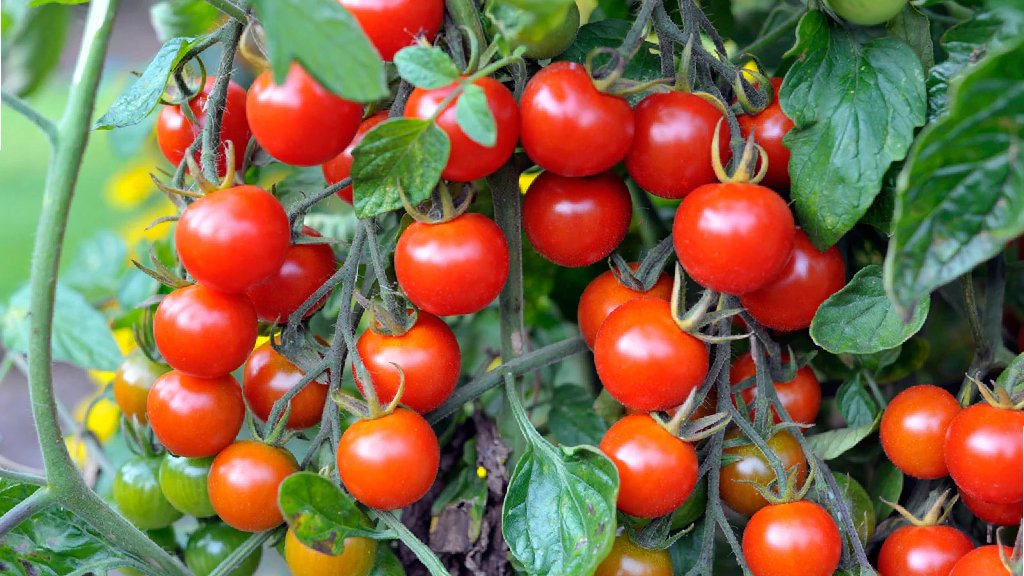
32, 115
38, 501
230, 35
422, 551
230, 8
776, 34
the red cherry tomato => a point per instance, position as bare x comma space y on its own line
195, 417
998, 514
456, 267
733, 238
204, 333
244, 481
793, 538
801, 396
809, 277
340, 167
984, 454
268, 375
983, 561
769, 127
740, 479
300, 122
556, 209
914, 428
629, 559
671, 153
645, 360
469, 160
389, 462
605, 293
394, 24
657, 471
922, 551
305, 269
233, 238
428, 355
569, 127
174, 133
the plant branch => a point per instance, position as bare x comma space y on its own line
36, 502
769, 38
300, 208
230, 8
508, 214
33, 116
421, 550
216, 103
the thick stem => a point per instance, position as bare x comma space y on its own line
215, 105
230, 8
36, 502
508, 215
421, 550
33, 116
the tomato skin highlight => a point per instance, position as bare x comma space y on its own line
469, 160
657, 471
394, 24
982, 561
195, 417
268, 376
998, 514
204, 333
557, 209
300, 122
605, 293
305, 268
209, 545
453, 268
356, 560
244, 481
132, 382
672, 148
753, 467
340, 167
137, 494
563, 117
733, 238
389, 462
174, 133
983, 450
791, 299
922, 551
801, 396
913, 430
769, 127
794, 538
183, 482
630, 559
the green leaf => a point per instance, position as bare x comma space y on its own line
855, 403
328, 42
1012, 378
172, 18
81, 335
65, 2
572, 418
855, 107
95, 270
400, 156
914, 28
861, 319
888, 484
475, 117
961, 194
644, 66
834, 443
320, 514
913, 354
861, 507
142, 96
31, 51
426, 67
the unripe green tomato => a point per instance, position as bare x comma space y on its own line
693, 508
542, 39
211, 544
860, 504
138, 496
867, 12
183, 481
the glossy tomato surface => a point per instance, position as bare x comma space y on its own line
740, 479
183, 482
174, 132
983, 453
801, 396
268, 376
132, 382
394, 24
211, 544
629, 559
569, 127
793, 538
576, 221
922, 551
867, 12
137, 494
195, 417
983, 561
340, 167
606, 293
913, 430
672, 148
304, 270
356, 560
768, 127
456, 267
244, 480
998, 514
657, 471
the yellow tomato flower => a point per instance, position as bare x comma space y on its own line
103, 419
131, 186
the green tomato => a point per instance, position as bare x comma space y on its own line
693, 508
544, 35
138, 496
867, 12
183, 481
211, 544
860, 503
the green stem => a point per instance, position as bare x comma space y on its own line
239, 555
299, 209
33, 116
230, 8
231, 34
421, 550
771, 37
22, 477
36, 502
466, 16
508, 214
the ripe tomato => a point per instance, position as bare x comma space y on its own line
183, 482
137, 494
867, 12
792, 538
394, 24
429, 358
733, 238
204, 333
389, 462
629, 559
340, 167
456, 267
769, 127
174, 133
300, 122
983, 453
569, 127
212, 543
244, 480
801, 396
922, 551
670, 127
356, 560
808, 278
132, 382
738, 479
645, 360
605, 293
657, 471
231, 239
983, 561
914, 428
305, 269
195, 417
268, 375
998, 514
556, 209
469, 160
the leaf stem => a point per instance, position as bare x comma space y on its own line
421, 550
36, 502
230, 8
301, 207
771, 37
32, 115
